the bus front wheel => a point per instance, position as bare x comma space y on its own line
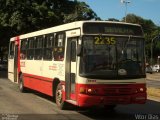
110, 107
58, 97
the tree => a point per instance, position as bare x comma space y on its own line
113, 19
23, 16
26, 15
79, 11
150, 31
131, 18
4, 34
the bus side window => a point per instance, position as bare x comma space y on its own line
73, 51
23, 49
11, 52
48, 47
30, 50
59, 46
38, 48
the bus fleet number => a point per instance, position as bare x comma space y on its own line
104, 40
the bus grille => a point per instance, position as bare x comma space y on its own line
119, 91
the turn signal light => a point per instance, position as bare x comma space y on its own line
88, 90
82, 90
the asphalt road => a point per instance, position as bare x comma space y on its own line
35, 106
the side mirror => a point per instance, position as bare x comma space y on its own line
79, 50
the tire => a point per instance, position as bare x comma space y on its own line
110, 107
58, 97
21, 84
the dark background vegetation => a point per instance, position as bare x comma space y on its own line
23, 16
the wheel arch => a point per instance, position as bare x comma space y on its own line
19, 74
55, 82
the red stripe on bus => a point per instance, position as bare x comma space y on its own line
97, 95
17, 43
38, 77
38, 83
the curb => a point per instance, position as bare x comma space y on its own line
152, 79
153, 98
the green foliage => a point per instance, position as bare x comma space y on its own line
79, 11
113, 19
26, 15
150, 31
22, 16
131, 18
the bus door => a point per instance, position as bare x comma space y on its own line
13, 62
71, 67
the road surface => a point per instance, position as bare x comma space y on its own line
35, 106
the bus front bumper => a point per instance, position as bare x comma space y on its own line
89, 101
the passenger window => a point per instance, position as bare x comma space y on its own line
11, 48
38, 48
23, 51
30, 51
48, 47
59, 46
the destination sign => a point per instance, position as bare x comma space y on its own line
112, 28
118, 30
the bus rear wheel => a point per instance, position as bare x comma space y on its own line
59, 98
21, 84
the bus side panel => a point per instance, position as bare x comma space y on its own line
41, 84
38, 75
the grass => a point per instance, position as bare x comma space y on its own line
153, 91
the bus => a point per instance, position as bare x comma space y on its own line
84, 63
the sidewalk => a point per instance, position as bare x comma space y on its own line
152, 91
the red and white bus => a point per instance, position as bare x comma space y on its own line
85, 63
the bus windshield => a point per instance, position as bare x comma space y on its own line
112, 57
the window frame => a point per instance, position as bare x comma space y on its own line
46, 48
11, 50
38, 47
30, 48
59, 46
23, 49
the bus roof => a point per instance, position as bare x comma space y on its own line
67, 26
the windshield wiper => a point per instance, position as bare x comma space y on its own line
125, 46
